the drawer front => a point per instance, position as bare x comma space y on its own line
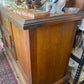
13, 51
8, 41
7, 37
6, 22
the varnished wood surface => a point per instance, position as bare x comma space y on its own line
50, 48
6, 35
80, 4
22, 46
7, 25
34, 23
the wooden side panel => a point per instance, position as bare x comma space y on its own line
7, 24
80, 4
7, 37
50, 51
22, 46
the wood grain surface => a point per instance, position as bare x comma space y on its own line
21, 40
50, 48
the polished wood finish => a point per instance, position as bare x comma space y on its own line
8, 28
50, 51
80, 4
6, 36
21, 40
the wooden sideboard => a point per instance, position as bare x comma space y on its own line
42, 47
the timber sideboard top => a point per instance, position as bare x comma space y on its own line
35, 23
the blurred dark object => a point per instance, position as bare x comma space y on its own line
70, 3
29, 4
78, 37
38, 3
64, 80
18, 2
82, 82
55, 1
32, 4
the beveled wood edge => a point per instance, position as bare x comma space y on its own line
55, 19
35, 23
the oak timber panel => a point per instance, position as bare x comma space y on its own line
7, 24
21, 40
7, 37
12, 40
50, 51
80, 4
